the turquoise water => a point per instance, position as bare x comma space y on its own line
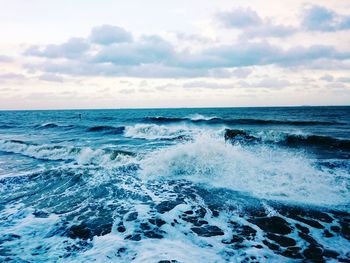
189, 185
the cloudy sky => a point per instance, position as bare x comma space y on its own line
162, 53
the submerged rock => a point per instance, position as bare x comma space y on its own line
208, 231
272, 224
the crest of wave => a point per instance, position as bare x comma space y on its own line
261, 171
152, 131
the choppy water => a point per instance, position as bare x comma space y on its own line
183, 185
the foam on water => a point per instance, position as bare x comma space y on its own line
197, 117
261, 171
152, 131
81, 155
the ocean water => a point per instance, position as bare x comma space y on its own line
175, 185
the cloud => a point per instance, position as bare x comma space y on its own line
327, 77
272, 83
153, 56
313, 18
267, 82
51, 77
127, 91
242, 72
108, 34
240, 18
5, 59
73, 48
207, 85
318, 18
344, 79
252, 24
12, 76
148, 49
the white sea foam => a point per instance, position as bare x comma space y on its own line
196, 117
153, 131
261, 171
81, 155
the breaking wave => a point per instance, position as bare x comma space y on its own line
215, 120
152, 132
107, 129
79, 155
261, 171
289, 139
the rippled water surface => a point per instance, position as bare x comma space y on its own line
175, 185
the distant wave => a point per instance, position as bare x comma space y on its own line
6, 126
51, 125
316, 140
216, 120
292, 140
107, 129
154, 132
47, 125
80, 155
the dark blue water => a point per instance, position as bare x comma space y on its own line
189, 185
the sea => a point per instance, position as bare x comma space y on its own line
265, 184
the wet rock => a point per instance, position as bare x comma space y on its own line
303, 229
271, 245
309, 222
345, 229
152, 234
121, 229
234, 239
282, 240
314, 253
132, 216
41, 214
208, 231
308, 238
189, 212
101, 229
272, 224
135, 237
328, 234
145, 226
292, 252
157, 221
200, 223
201, 212
214, 211
335, 229
166, 206
80, 231
330, 253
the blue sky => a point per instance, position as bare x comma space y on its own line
112, 54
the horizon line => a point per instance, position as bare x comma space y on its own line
159, 108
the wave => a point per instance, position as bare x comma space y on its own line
316, 140
6, 126
153, 132
261, 171
47, 125
107, 129
51, 125
197, 117
216, 120
79, 155
290, 140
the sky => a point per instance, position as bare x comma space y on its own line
86, 54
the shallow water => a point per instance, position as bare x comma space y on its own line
183, 185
